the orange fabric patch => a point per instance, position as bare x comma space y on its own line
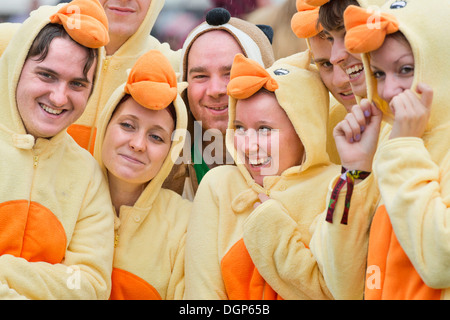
399, 279
304, 22
128, 286
85, 21
247, 77
152, 81
242, 280
31, 231
365, 30
83, 136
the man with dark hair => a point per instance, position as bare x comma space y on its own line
56, 216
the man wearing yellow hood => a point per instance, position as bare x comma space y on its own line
408, 245
130, 22
237, 251
136, 150
55, 211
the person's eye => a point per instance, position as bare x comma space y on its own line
126, 126
45, 76
378, 74
407, 70
265, 130
156, 138
240, 129
326, 65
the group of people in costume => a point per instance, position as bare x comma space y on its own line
132, 171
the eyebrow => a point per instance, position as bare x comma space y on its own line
51, 71
203, 69
156, 126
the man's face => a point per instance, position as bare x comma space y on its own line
52, 94
334, 78
125, 16
208, 73
351, 64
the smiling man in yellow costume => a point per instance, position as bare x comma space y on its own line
56, 220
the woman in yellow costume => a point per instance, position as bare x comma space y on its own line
251, 223
141, 134
408, 247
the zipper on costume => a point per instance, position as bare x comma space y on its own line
35, 161
105, 64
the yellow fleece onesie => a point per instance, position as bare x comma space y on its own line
408, 247
234, 251
56, 217
114, 73
150, 236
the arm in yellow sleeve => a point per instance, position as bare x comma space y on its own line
281, 254
416, 192
341, 250
85, 272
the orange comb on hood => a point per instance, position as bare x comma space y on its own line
85, 21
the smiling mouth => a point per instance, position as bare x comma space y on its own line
258, 163
355, 71
49, 110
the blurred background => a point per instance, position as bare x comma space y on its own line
179, 17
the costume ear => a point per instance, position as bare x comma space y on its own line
268, 31
218, 17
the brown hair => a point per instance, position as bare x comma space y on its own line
331, 14
41, 45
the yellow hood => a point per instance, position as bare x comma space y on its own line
11, 64
151, 191
305, 100
423, 23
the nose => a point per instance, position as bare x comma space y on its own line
138, 142
340, 78
217, 87
251, 142
338, 52
58, 95
389, 88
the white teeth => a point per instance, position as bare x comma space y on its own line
50, 110
354, 71
259, 162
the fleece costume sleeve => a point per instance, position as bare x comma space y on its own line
281, 252
86, 268
203, 272
416, 193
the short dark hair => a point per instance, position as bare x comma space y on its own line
331, 14
41, 45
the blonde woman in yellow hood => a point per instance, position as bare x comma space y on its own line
56, 224
250, 228
140, 136
131, 22
408, 246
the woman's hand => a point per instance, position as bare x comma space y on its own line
411, 112
357, 136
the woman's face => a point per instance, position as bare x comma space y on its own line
265, 139
393, 67
137, 141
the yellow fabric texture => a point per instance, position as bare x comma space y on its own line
412, 175
277, 233
150, 235
55, 184
416, 170
114, 73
